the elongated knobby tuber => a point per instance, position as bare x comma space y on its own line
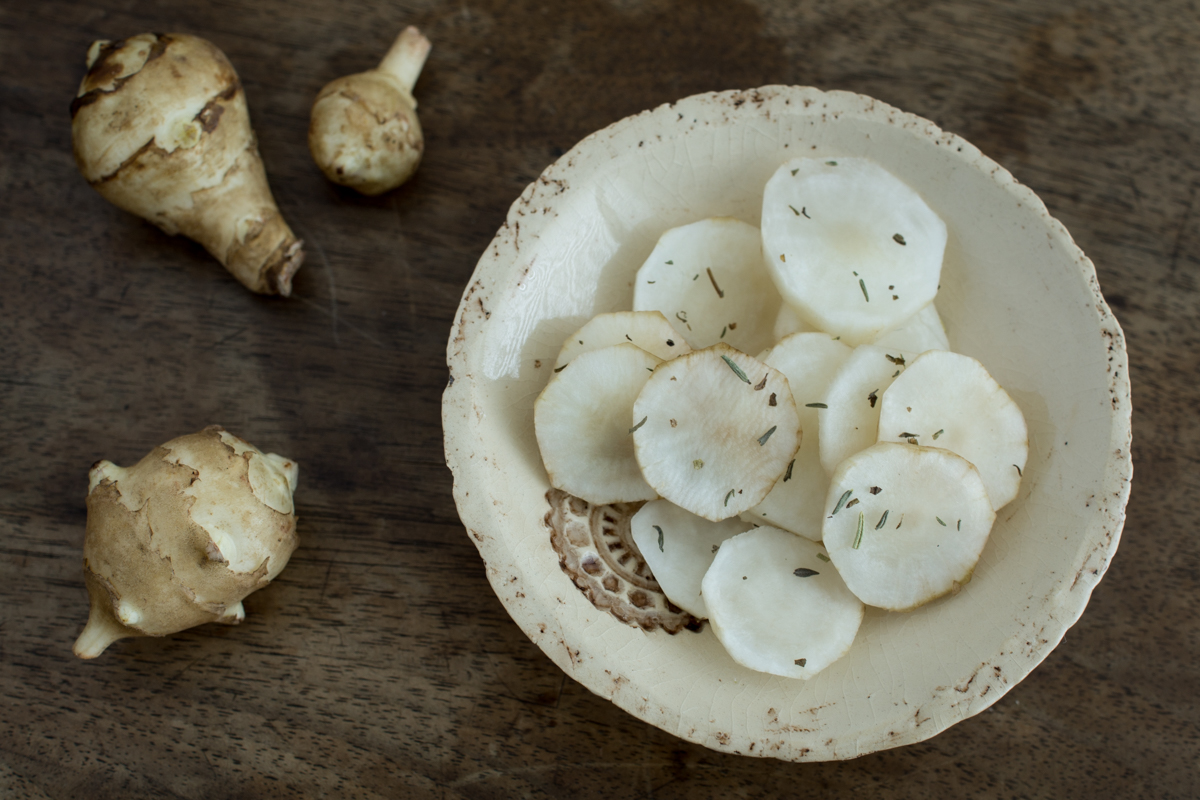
364, 131
181, 537
161, 129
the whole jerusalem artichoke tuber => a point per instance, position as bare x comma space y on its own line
161, 129
364, 131
181, 537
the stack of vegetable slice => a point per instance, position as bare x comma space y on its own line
855, 460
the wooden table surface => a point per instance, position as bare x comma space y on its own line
380, 664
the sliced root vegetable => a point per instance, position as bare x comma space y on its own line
582, 422
850, 245
709, 280
922, 332
906, 524
679, 547
787, 322
949, 400
717, 428
851, 420
797, 501
648, 330
778, 605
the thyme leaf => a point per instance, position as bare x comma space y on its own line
728, 496
804, 572
793, 208
736, 369
787, 476
815, 405
939, 433
763, 439
823, 557
1019, 475
842, 501
863, 286
660, 537
899, 239
640, 424
882, 519
939, 519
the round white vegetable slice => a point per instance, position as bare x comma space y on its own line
679, 547
851, 420
715, 430
648, 330
922, 332
582, 422
797, 501
787, 322
906, 524
708, 278
949, 400
850, 245
778, 605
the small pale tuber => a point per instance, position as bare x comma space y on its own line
364, 131
161, 129
181, 537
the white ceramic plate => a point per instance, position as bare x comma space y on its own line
1017, 294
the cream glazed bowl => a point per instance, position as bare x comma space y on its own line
1016, 293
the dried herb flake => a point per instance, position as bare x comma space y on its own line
714, 282
816, 405
863, 286
660, 537
823, 557
787, 476
763, 439
728, 496
804, 572
939, 519
640, 424
939, 433
858, 536
842, 501
898, 239
736, 369
882, 519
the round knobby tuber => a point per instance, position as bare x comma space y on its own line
364, 131
181, 537
161, 129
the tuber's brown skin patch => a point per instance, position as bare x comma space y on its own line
180, 538
364, 132
161, 129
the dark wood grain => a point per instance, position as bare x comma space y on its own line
380, 664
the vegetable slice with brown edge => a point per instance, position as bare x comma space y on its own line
720, 428
582, 420
709, 280
949, 400
160, 129
915, 539
777, 606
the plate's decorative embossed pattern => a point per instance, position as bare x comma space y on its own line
596, 550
